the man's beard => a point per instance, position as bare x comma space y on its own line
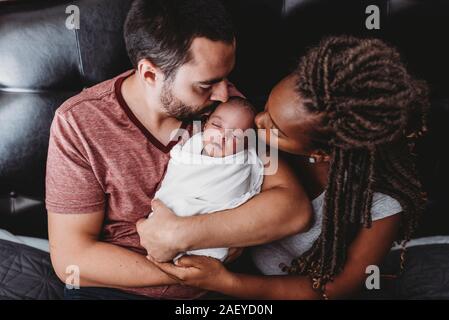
175, 107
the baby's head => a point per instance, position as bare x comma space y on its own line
223, 131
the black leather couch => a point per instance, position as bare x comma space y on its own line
42, 63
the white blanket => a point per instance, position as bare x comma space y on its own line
199, 184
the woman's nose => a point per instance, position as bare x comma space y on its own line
260, 120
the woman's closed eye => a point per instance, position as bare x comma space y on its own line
275, 131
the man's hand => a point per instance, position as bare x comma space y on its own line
159, 233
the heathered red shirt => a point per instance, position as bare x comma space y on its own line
102, 158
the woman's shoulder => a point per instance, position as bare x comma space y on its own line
384, 206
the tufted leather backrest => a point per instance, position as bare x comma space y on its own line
42, 63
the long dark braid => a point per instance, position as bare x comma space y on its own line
370, 109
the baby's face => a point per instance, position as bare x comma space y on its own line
223, 131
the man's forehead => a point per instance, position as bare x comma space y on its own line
207, 56
202, 46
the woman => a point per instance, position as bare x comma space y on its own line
350, 113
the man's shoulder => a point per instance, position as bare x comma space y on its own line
90, 100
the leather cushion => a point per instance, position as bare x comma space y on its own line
26, 274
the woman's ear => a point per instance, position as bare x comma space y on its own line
319, 156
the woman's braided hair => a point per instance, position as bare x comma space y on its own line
371, 109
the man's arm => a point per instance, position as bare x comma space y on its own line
280, 210
74, 241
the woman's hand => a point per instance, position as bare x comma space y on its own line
197, 271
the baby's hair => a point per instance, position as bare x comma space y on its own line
244, 103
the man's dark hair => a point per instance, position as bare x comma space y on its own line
163, 30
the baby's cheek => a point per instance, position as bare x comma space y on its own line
236, 145
210, 135
241, 145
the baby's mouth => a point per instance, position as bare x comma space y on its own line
213, 149
215, 144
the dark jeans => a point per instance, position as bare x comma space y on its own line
94, 293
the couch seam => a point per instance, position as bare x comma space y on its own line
80, 59
388, 10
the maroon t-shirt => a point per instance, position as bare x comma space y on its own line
102, 158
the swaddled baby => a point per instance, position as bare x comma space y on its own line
214, 170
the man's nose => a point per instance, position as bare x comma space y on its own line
220, 92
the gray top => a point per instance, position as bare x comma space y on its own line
268, 257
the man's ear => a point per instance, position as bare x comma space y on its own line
148, 71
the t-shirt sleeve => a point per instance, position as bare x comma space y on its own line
384, 206
71, 185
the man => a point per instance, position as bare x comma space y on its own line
109, 148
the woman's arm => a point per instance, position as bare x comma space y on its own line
369, 248
280, 210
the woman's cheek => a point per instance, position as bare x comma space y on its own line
292, 147
264, 135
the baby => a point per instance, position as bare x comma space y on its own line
224, 130
215, 170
